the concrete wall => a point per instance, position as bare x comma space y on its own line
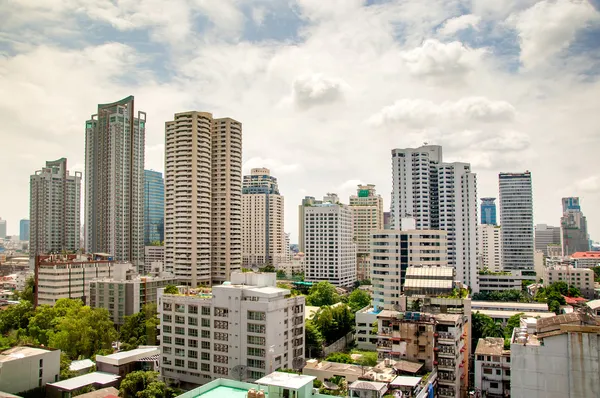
339, 345
23, 374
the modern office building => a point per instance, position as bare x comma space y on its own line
546, 235
241, 330
490, 247
516, 218
263, 234
367, 216
24, 229
154, 207
203, 197
492, 367
114, 181
27, 368
393, 251
439, 196
488, 211
328, 238
573, 223
54, 209
2, 228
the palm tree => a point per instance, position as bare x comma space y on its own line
493, 329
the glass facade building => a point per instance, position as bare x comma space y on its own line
154, 207
24, 230
488, 211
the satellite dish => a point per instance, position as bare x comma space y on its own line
298, 363
240, 372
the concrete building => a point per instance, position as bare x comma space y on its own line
203, 197
68, 276
438, 196
386, 220
573, 223
365, 319
492, 368
2, 228
392, 252
558, 359
490, 247
154, 259
367, 216
294, 265
242, 330
24, 226
500, 281
328, 237
516, 218
71, 387
263, 234
125, 292
54, 209
308, 201
26, 368
586, 259
488, 211
546, 235
154, 207
124, 362
581, 278
114, 182
429, 280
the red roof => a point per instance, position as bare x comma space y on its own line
574, 300
586, 255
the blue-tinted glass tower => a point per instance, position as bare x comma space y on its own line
24, 230
488, 211
154, 207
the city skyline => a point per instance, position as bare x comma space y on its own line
482, 81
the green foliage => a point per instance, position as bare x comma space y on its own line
339, 357
267, 268
334, 322
15, 317
140, 328
483, 326
65, 362
375, 327
504, 295
171, 289
596, 273
457, 294
416, 305
512, 323
314, 338
368, 358
358, 299
317, 383
27, 293
145, 384
553, 295
157, 243
323, 293
281, 274
285, 370
365, 282
246, 270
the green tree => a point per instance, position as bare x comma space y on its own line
27, 292
145, 384
367, 358
314, 339
574, 292
323, 293
16, 316
493, 329
358, 299
334, 322
281, 274
512, 323
65, 363
139, 328
339, 357
267, 268
171, 289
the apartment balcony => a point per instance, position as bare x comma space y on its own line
446, 377
445, 364
445, 337
446, 392
444, 351
384, 345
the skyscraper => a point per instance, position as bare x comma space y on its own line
367, 215
114, 181
24, 229
488, 211
546, 235
54, 209
490, 247
439, 196
2, 228
154, 207
263, 236
516, 218
573, 223
203, 197
308, 201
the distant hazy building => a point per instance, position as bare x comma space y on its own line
154, 259
367, 216
490, 247
516, 218
24, 230
575, 236
154, 207
263, 234
386, 220
488, 211
2, 228
581, 278
54, 209
114, 181
546, 235
203, 197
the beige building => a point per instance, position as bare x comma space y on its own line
581, 278
154, 259
367, 215
263, 235
26, 368
203, 197
490, 247
492, 367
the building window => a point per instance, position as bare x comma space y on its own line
192, 365
205, 356
256, 352
205, 367
493, 385
179, 363
192, 354
257, 316
498, 372
192, 321
166, 318
256, 363
206, 345
192, 309
192, 343
487, 371
221, 370
166, 329
179, 341
166, 339
205, 310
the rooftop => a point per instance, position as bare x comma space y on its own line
441, 272
497, 314
490, 346
81, 365
502, 304
594, 304
123, 357
78, 382
21, 352
368, 386
406, 381
340, 368
447, 317
593, 255
285, 380
108, 392
573, 318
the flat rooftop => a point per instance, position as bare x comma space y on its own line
406, 381
285, 380
78, 382
490, 346
16, 353
539, 307
496, 314
123, 357
447, 317
340, 368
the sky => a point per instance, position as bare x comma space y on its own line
324, 89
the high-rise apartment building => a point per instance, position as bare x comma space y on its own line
328, 239
367, 216
24, 229
490, 247
516, 218
439, 196
488, 211
263, 236
114, 181
573, 223
546, 235
154, 207
203, 197
308, 201
2, 228
54, 209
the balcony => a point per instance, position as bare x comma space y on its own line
446, 392
384, 345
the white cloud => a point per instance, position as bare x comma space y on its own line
277, 167
453, 25
317, 89
549, 27
589, 184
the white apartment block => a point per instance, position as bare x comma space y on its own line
243, 330
392, 252
367, 215
581, 278
203, 197
263, 234
26, 368
490, 247
114, 182
54, 211
330, 250
154, 259
69, 276
492, 368
294, 265
516, 218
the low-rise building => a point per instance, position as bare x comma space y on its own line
124, 362
366, 331
71, 387
25, 368
581, 278
586, 259
501, 281
242, 329
492, 368
154, 259
293, 265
